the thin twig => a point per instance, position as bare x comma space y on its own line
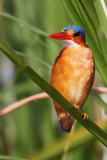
35, 97
100, 90
18, 104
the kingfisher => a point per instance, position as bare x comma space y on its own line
73, 72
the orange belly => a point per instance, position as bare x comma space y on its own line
73, 75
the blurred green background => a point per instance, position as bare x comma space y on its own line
27, 130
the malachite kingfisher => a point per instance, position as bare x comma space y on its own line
73, 72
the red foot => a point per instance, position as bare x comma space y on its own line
76, 107
85, 116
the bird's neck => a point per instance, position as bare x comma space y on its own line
70, 43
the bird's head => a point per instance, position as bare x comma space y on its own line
71, 33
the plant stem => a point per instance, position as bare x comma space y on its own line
20, 103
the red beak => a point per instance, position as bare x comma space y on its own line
61, 36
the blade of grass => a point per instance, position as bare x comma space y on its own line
50, 90
24, 24
35, 58
81, 137
102, 14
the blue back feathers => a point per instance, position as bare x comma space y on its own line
76, 29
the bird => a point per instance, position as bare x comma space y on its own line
72, 73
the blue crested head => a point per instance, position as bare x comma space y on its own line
76, 29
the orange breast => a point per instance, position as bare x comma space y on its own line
73, 75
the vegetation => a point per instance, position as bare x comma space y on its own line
25, 25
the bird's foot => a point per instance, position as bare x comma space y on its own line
77, 107
85, 116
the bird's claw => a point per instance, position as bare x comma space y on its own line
77, 107
85, 116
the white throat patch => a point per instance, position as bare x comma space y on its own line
70, 43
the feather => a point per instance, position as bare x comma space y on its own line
63, 129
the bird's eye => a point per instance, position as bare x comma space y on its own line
76, 34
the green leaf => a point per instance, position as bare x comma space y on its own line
77, 114
102, 14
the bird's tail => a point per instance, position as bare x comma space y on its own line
65, 123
